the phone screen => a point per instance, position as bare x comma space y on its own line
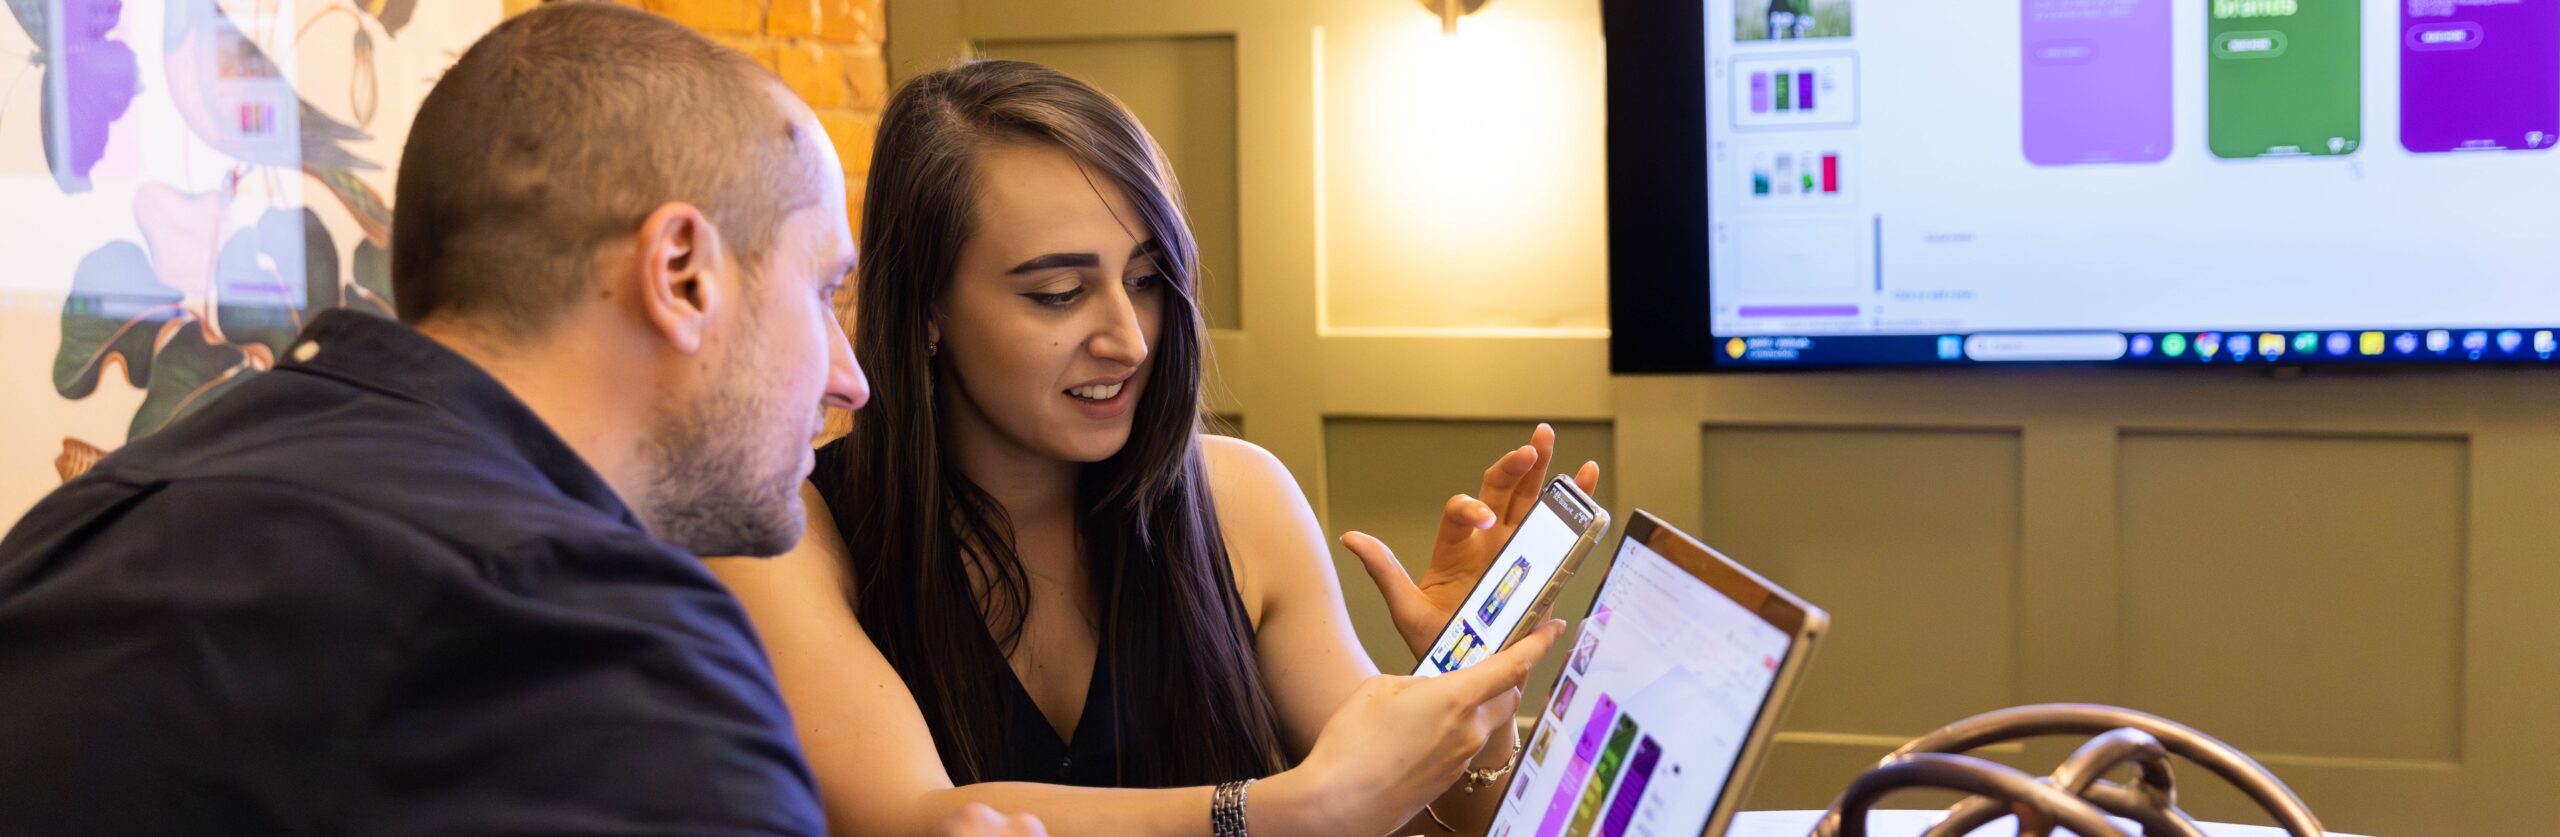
1505, 594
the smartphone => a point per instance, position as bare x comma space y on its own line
1541, 555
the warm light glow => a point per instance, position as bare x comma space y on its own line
1452, 121
1466, 172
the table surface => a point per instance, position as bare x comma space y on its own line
1912, 823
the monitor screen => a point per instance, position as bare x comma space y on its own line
1666, 678
2192, 182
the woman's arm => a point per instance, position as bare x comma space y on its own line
1310, 657
1308, 649
878, 771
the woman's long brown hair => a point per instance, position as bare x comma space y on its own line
1177, 648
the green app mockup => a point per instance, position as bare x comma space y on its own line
2283, 78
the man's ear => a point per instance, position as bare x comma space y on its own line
683, 278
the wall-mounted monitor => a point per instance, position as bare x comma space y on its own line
1823, 183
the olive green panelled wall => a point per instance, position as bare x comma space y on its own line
2348, 575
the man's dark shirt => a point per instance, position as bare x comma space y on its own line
370, 592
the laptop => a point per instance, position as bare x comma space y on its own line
1671, 696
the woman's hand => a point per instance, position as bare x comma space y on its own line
1472, 533
1395, 745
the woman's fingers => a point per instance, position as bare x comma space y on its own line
1463, 516
1502, 672
1533, 478
1502, 481
1405, 604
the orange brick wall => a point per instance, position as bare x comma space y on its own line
828, 51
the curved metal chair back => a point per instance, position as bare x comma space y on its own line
2074, 792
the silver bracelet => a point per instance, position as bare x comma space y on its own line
1477, 779
1226, 809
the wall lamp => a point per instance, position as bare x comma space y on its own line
1450, 10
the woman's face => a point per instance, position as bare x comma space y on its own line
1046, 329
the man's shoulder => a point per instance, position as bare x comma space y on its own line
296, 479
291, 434
299, 629
243, 534
292, 427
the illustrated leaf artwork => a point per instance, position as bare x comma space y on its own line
96, 74
372, 213
371, 290
366, 92
205, 53
268, 275
392, 13
114, 315
188, 374
200, 305
183, 231
266, 280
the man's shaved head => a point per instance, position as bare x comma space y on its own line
558, 133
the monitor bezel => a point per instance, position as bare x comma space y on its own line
1659, 296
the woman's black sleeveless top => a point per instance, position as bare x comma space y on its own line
1031, 750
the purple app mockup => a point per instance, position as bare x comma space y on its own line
2479, 75
2095, 81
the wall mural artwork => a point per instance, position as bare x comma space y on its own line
182, 184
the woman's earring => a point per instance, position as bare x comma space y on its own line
933, 348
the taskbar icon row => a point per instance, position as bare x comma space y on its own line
2288, 347
2403, 345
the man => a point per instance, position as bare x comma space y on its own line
439, 578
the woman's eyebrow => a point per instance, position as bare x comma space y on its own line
1053, 261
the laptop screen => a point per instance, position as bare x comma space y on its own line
1666, 680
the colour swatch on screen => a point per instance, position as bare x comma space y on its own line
1795, 90
2095, 81
2283, 78
1604, 778
1586, 750
1622, 810
1788, 174
2479, 75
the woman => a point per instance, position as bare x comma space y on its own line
1030, 582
